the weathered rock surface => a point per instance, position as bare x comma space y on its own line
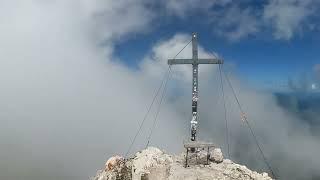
153, 164
216, 155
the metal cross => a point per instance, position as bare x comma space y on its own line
195, 61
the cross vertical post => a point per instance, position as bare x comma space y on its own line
194, 120
195, 61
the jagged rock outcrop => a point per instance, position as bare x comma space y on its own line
154, 164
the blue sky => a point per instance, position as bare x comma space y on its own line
268, 41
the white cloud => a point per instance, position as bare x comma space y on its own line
288, 17
117, 18
64, 106
183, 8
283, 18
229, 19
156, 62
235, 23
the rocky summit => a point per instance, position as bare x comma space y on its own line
154, 164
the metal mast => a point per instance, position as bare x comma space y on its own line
195, 61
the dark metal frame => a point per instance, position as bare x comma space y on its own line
197, 145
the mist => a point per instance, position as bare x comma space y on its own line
67, 103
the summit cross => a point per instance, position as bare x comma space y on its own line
195, 61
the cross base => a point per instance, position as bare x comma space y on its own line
195, 146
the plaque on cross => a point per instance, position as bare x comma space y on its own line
195, 61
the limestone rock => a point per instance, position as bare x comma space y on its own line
120, 169
150, 161
154, 164
216, 155
113, 162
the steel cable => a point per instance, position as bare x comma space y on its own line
153, 100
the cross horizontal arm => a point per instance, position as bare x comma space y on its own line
198, 61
